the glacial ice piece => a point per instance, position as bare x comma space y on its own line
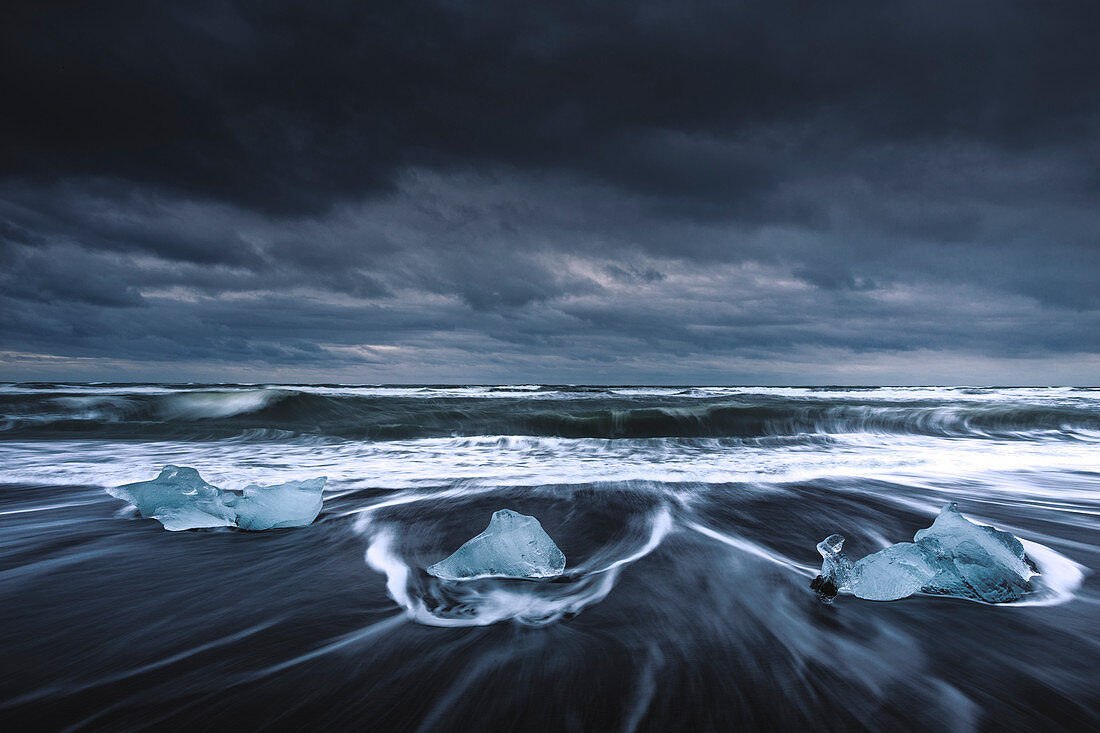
953, 557
986, 563
512, 546
293, 504
179, 499
835, 565
895, 572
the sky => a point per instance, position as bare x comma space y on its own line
569, 192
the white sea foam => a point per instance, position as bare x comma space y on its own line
1058, 578
1017, 469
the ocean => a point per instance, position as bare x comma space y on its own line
688, 516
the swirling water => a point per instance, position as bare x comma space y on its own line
688, 516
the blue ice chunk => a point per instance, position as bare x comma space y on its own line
953, 557
293, 504
975, 560
180, 499
512, 546
895, 572
835, 565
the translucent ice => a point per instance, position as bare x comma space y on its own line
895, 572
986, 563
293, 504
179, 499
512, 546
953, 557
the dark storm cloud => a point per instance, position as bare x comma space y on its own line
549, 187
286, 106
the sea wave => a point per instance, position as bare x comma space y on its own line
206, 405
379, 413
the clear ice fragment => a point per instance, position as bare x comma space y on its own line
985, 563
895, 572
835, 565
953, 557
512, 546
180, 499
293, 504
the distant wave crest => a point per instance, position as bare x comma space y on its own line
408, 413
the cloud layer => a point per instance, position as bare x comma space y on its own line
635, 192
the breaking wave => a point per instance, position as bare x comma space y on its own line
209, 405
380, 413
